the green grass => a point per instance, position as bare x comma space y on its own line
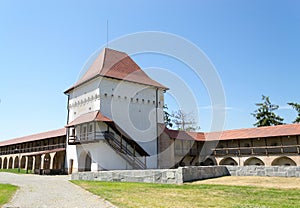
125, 194
6, 193
15, 170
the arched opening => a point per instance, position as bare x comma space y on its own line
29, 162
23, 161
85, 162
5, 163
37, 164
58, 160
254, 161
0, 163
228, 161
208, 162
283, 161
47, 160
10, 163
16, 163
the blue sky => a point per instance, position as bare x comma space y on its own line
254, 45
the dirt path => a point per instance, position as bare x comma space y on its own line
267, 182
49, 191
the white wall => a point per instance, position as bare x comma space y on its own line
103, 157
84, 99
133, 107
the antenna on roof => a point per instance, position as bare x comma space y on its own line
107, 33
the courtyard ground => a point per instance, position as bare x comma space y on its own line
49, 191
6, 193
237, 192
266, 182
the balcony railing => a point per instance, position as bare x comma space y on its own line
263, 150
129, 154
33, 149
86, 137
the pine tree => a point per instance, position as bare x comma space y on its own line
296, 106
264, 114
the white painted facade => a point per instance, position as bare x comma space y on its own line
135, 108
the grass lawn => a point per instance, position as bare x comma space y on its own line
125, 194
6, 193
15, 170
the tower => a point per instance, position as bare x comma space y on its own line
113, 114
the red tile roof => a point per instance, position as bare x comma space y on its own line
184, 135
247, 133
88, 117
34, 137
259, 132
118, 65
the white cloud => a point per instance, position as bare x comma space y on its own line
219, 107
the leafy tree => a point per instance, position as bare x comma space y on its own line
184, 121
167, 117
265, 115
296, 106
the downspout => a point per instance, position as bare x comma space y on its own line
156, 112
67, 135
67, 132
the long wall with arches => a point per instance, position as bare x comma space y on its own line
274, 160
263, 146
42, 153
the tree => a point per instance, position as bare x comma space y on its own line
296, 106
184, 121
265, 115
167, 117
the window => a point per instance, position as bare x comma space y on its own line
83, 134
91, 127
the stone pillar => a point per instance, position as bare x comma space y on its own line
26, 162
13, 162
33, 163
52, 155
42, 161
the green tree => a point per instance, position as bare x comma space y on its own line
296, 106
167, 117
264, 114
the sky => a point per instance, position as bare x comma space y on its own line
254, 46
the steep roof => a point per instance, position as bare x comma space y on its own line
34, 137
117, 65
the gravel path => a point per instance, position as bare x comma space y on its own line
49, 191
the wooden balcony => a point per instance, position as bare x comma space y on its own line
87, 137
262, 150
33, 149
